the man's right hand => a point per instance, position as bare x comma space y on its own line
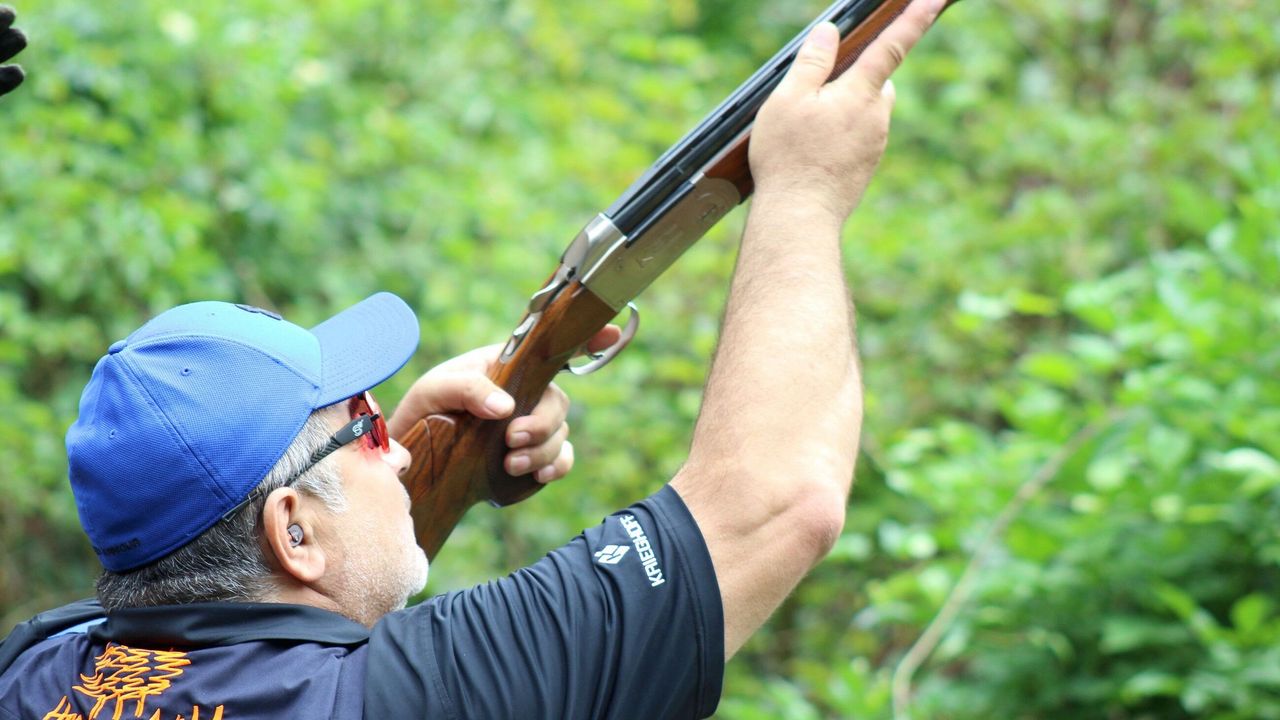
12, 41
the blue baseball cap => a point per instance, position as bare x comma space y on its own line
183, 418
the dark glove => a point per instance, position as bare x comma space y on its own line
11, 43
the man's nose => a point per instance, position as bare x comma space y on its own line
398, 457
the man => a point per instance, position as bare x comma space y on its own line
241, 490
12, 41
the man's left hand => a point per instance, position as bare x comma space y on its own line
538, 442
12, 41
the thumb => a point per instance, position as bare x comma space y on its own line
814, 61
475, 394
449, 392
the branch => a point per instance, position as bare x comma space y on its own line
960, 594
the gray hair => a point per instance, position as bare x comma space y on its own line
226, 562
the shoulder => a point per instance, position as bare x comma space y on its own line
633, 597
63, 620
39, 651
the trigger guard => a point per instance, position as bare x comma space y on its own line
602, 358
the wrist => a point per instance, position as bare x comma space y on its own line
794, 206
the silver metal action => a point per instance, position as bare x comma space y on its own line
598, 235
628, 266
616, 268
591, 242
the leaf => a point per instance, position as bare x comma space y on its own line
1249, 461
1250, 612
1138, 633
1108, 473
984, 307
851, 547
1055, 368
1029, 303
1184, 606
1167, 447
1261, 471
1152, 683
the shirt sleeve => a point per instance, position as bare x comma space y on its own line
624, 621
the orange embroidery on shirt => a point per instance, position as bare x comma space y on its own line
123, 674
63, 711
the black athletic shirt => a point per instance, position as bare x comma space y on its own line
625, 621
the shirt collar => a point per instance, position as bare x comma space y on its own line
211, 624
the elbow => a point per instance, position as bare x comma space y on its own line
818, 519
816, 504
809, 512
796, 509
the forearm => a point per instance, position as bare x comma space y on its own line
783, 397
773, 450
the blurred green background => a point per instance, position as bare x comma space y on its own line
1074, 230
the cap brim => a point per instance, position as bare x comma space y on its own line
364, 345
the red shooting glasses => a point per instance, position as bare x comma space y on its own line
366, 423
374, 431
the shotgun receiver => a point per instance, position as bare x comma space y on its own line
457, 459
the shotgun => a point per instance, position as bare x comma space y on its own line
457, 459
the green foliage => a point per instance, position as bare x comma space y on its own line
1075, 221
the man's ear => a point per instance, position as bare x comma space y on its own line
288, 530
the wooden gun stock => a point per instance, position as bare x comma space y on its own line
458, 459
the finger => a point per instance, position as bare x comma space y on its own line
11, 43
814, 61
479, 360
883, 56
475, 394
558, 469
521, 462
889, 92
604, 339
10, 77
6, 17
547, 417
